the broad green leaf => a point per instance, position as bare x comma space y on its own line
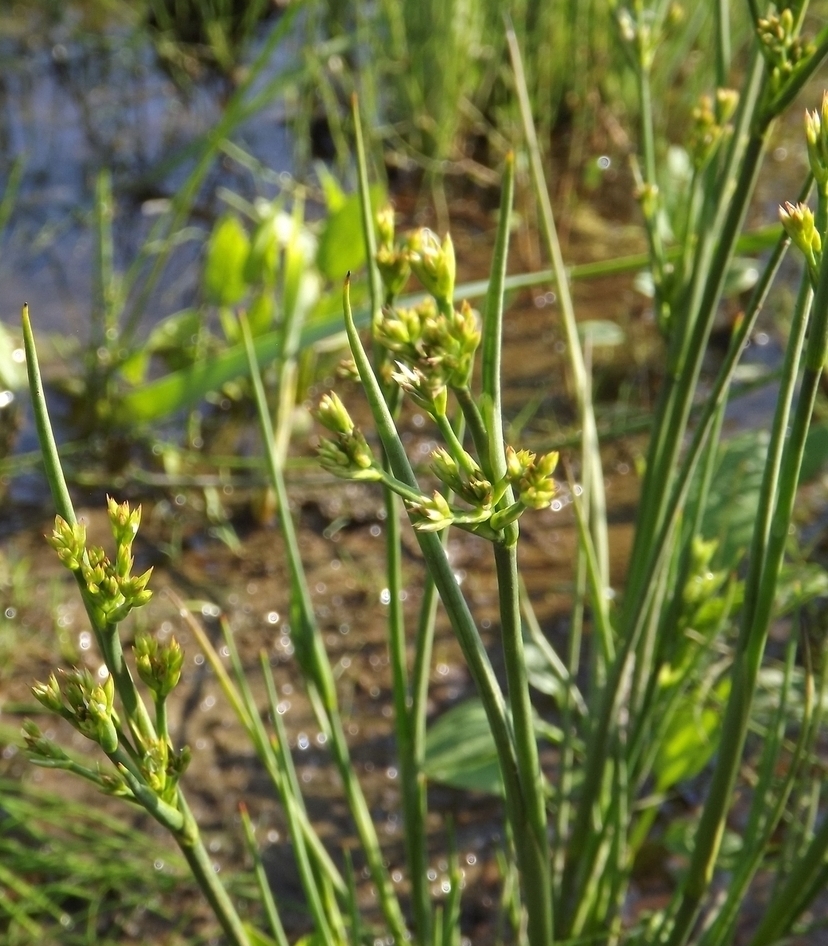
741, 277
335, 197
731, 510
601, 332
227, 253
174, 339
341, 244
460, 750
261, 313
690, 739
262, 261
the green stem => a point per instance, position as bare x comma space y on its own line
320, 668
265, 893
533, 844
590, 452
192, 847
756, 620
455, 604
687, 348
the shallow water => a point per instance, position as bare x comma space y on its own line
74, 102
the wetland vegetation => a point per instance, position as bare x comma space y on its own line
432, 404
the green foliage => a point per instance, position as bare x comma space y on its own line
69, 870
673, 676
225, 268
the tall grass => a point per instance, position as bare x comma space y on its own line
668, 679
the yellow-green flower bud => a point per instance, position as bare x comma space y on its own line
431, 515
332, 414
726, 102
518, 462
816, 136
159, 664
433, 263
124, 522
798, 221
42, 751
384, 221
394, 269
69, 541
49, 695
427, 392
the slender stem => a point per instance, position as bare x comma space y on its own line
319, 666
756, 620
107, 636
722, 42
265, 893
533, 851
192, 847
490, 398
693, 323
412, 779
591, 453
455, 604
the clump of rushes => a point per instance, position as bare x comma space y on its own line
484, 489
108, 708
433, 347
148, 769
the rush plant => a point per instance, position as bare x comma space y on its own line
669, 680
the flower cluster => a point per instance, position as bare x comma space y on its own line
433, 345
392, 260
798, 221
783, 48
711, 125
347, 454
528, 475
111, 587
159, 664
87, 705
816, 136
162, 768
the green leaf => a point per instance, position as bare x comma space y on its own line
690, 739
335, 197
731, 510
741, 277
816, 452
257, 937
262, 261
261, 313
601, 332
227, 253
342, 244
460, 750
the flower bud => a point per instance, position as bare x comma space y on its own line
384, 222
430, 515
433, 263
394, 269
798, 221
124, 522
69, 541
159, 664
332, 414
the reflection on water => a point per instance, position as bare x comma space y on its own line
74, 103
